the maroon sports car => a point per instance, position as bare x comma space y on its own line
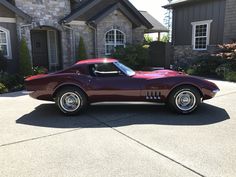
99, 80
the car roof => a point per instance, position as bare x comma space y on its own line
97, 60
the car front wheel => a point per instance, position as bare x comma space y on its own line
184, 99
71, 101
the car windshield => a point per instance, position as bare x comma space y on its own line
125, 69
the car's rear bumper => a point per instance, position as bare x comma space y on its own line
41, 95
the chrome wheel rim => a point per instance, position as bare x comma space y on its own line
185, 100
70, 102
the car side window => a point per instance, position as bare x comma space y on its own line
104, 70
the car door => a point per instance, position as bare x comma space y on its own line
108, 83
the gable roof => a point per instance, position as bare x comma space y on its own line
157, 26
110, 9
91, 8
178, 2
15, 9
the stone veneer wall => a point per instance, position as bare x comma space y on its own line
47, 13
138, 34
114, 20
87, 34
184, 54
230, 21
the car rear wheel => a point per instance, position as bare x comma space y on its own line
71, 100
184, 99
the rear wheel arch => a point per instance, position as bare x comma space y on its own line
71, 99
65, 86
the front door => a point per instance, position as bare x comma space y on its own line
108, 83
39, 48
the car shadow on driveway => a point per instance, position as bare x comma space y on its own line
46, 115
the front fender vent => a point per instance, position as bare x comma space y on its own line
153, 95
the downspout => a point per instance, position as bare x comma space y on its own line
95, 39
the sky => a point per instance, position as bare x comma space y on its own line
154, 7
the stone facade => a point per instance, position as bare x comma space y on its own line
138, 34
230, 21
94, 37
49, 16
87, 33
47, 13
116, 20
184, 54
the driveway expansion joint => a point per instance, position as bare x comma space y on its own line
148, 147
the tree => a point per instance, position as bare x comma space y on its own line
165, 38
148, 39
82, 54
25, 59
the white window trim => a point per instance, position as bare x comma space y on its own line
9, 52
115, 44
194, 24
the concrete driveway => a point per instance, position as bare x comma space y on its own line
110, 140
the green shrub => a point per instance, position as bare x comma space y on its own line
205, 66
134, 56
39, 70
82, 54
230, 76
3, 63
227, 70
3, 88
11, 82
148, 39
25, 60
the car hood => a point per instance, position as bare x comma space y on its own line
156, 74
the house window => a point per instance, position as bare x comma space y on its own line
114, 38
201, 34
5, 47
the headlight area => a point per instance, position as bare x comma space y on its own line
208, 94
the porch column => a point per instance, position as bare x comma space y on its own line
159, 36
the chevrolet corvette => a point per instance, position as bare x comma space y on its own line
104, 80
